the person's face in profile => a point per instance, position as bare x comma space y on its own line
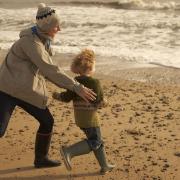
54, 31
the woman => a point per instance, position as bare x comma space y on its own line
22, 80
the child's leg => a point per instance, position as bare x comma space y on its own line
93, 135
101, 157
77, 149
96, 144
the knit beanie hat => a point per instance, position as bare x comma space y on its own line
46, 18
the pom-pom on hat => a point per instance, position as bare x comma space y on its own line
46, 18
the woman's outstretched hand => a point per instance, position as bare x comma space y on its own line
87, 94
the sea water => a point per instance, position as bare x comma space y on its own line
135, 31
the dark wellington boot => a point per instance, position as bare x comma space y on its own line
41, 152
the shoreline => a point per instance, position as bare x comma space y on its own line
146, 73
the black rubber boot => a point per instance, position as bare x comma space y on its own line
100, 156
77, 149
41, 152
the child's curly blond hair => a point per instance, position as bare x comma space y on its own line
83, 62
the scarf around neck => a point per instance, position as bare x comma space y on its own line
45, 39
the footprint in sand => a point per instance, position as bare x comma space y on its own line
177, 154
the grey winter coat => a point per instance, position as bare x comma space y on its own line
23, 72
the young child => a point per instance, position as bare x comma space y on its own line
85, 113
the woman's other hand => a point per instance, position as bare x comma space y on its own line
56, 95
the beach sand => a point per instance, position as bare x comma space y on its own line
140, 128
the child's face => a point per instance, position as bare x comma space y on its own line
93, 68
91, 71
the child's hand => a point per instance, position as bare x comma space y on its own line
56, 95
103, 103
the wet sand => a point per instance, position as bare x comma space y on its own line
140, 127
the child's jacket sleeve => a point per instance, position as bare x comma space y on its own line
67, 96
98, 90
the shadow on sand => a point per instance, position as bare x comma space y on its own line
67, 176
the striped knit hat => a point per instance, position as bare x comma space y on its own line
46, 18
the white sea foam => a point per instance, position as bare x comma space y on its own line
148, 5
140, 36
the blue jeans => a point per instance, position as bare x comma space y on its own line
7, 106
93, 135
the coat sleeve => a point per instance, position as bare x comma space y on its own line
38, 55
